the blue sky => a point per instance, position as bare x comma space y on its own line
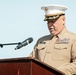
21, 19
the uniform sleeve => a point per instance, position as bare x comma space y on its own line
34, 53
70, 68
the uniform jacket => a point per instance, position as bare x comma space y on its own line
58, 51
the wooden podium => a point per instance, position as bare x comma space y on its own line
26, 66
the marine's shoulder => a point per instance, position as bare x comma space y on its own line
45, 38
71, 34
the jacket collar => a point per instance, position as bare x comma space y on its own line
62, 32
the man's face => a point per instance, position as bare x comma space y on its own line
56, 26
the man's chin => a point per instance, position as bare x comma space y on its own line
52, 32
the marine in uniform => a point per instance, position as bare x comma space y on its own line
58, 49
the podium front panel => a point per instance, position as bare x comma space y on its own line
25, 66
15, 68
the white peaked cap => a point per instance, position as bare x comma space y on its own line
54, 9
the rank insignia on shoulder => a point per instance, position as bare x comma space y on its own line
42, 42
62, 41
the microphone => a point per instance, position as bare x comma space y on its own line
24, 43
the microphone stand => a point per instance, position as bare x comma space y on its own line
1, 45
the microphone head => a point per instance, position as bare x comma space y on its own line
24, 43
30, 39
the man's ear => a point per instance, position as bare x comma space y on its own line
64, 18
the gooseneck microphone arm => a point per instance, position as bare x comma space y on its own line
19, 44
1, 45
